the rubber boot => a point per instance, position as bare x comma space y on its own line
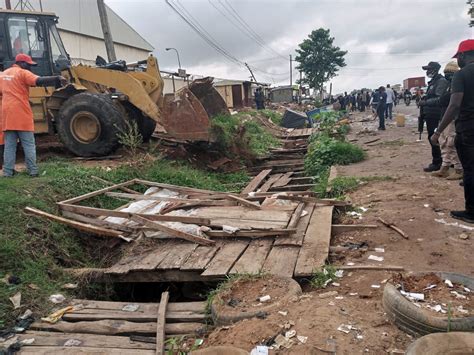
442, 173
457, 174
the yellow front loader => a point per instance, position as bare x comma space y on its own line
89, 113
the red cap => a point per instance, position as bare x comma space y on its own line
465, 46
24, 58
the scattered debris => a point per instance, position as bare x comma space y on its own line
376, 258
265, 298
133, 307
463, 236
395, 228
283, 313
58, 298
413, 295
260, 350
345, 328
449, 283
328, 294
16, 300
454, 224
70, 286
54, 317
302, 339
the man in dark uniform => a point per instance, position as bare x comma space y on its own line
431, 110
461, 107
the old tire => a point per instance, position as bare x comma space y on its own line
88, 124
417, 322
443, 344
226, 316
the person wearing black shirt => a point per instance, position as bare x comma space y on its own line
461, 108
430, 110
381, 106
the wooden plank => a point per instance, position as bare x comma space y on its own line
117, 327
93, 315
370, 267
225, 258
143, 307
252, 259
177, 256
173, 232
319, 201
339, 228
114, 213
76, 350
315, 248
201, 256
168, 199
144, 261
254, 233
175, 187
281, 261
256, 181
244, 202
88, 228
98, 192
295, 218
56, 339
242, 213
332, 176
123, 188
297, 238
160, 324
284, 180
98, 222
268, 184
301, 187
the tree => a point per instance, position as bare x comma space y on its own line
319, 59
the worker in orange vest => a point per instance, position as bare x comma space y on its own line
17, 114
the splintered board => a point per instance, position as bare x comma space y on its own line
315, 248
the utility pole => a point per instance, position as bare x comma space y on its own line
291, 70
470, 12
251, 72
8, 4
301, 86
104, 21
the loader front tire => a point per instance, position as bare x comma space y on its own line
89, 124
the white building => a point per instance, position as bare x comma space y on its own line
81, 31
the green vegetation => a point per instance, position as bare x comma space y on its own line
35, 250
324, 151
321, 278
130, 137
237, 136
275, 116
224, 285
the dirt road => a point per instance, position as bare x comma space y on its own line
412, 200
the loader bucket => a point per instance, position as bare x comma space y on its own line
186, 113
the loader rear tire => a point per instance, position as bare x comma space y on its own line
88, 124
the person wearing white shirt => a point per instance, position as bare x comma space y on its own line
390, 101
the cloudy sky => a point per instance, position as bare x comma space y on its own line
387, 40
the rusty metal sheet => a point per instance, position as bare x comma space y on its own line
184, 117
210, 99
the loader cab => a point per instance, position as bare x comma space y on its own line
35, 34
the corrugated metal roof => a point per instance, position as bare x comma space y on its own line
82, 16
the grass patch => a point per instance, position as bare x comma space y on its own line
224, 285
321, 279
36, 250
324, 151
274, 116
237, 136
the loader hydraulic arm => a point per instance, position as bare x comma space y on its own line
143, 89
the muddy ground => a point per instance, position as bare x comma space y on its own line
413, 201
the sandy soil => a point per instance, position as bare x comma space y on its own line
413, 201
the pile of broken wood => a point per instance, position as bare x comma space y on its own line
195, 215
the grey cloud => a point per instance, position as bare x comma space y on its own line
405, 27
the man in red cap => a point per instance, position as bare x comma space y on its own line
461, 108
17, 114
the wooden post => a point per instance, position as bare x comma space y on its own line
104, 21
160, 324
